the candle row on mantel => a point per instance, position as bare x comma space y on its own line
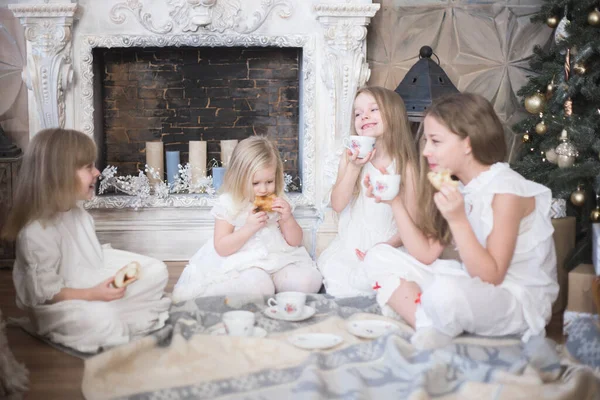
197, 159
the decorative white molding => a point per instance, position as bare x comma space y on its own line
307, 93
48, 73
43, 10
347, 10
173, 200
211, 15
344, 70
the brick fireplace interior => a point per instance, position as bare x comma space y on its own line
180, 94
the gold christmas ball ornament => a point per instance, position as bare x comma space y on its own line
552, 21
535, 103
550, 89
578, 197
525, 138
541, 128
579, 69
595, 215
593, 18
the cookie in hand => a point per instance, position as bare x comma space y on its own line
264, 203
127, 275
437, 179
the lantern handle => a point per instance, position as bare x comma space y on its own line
427, 52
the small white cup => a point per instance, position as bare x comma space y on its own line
239, 323
290, 304
364, 144
386, 187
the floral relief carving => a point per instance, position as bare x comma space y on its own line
210, 15
49, 72
344, 70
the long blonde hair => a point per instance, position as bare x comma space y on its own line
48, 182
397, 140
249, 156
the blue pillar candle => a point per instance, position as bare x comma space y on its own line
218, 173
172, 166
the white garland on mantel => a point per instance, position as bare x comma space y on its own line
136, 191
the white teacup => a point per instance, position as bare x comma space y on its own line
364, 144
290, 304
386, 187
239, 323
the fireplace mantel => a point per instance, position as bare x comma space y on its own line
61, 36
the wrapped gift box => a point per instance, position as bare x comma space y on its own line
581, 297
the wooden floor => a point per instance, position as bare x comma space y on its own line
52, 373
56, 375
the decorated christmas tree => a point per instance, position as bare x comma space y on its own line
561, 137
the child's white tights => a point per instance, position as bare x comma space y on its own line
256, 282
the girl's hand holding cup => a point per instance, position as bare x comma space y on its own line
383, 188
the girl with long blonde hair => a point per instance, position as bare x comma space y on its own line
505, 282
62, 275
378, 113
257, 247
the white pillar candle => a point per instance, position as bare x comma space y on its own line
197, 160
227, 147
155, 160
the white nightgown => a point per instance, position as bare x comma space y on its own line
66, 253
209, 274
452, 301
362, 224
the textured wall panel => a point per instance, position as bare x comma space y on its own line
483, 46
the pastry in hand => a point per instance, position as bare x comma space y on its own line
437, 179
264, 203
127, 275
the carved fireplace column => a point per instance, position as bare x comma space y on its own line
48, 73
344, 70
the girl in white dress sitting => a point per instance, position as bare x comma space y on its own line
379, 113
500, 222
62, 275
255, 251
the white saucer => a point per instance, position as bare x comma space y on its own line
315, 341
370, 328
258, 332
274, 313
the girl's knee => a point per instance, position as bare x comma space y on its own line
298, 279
157, 271
260, 280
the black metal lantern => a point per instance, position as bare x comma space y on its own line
7, 148
423, 83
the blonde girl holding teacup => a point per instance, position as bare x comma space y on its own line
379, 114
500, 224
63, 277
253, 252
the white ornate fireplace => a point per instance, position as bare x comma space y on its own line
61, 37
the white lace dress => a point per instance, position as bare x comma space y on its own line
267, 249
65, 253
362, 224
